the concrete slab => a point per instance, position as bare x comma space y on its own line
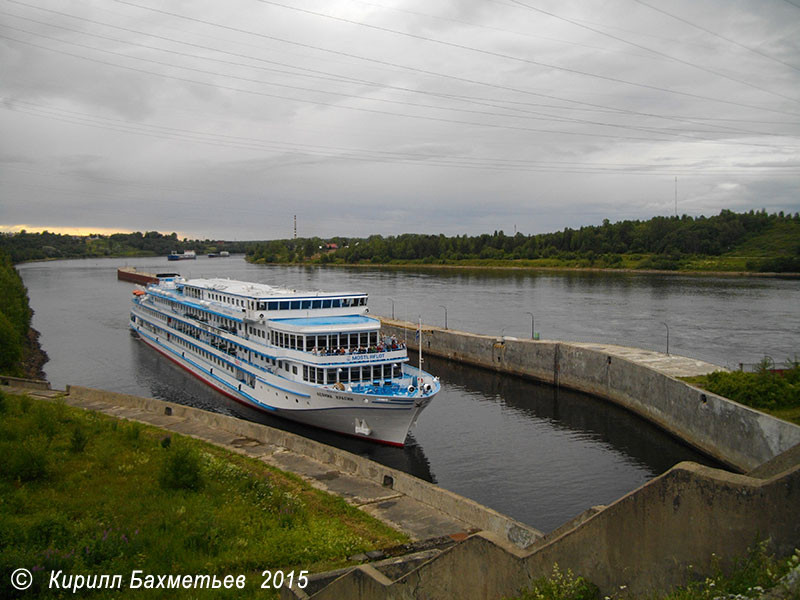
668, 364
419, 521
355, 490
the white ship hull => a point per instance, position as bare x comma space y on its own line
385, 420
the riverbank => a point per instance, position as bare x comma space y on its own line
20, 351
525, 266
34, 356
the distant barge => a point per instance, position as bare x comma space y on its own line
141, 277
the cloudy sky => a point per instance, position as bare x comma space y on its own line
226, 119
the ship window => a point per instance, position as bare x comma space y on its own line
326, 304
305, 372
316, 304
306, 304
294, 370
295, 304
337, 303
270, 306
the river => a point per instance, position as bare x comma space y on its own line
527, 450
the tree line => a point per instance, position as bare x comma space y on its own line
24, 246
666, 239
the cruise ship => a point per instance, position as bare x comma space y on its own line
312, 357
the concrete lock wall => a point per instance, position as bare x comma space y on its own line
736, 435
650, 540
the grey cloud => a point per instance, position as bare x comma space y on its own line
217, 149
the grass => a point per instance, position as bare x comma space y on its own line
85, 493
750, 577
775, 393
689, 264
560, 586
779, 240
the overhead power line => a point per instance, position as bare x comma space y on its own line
494, 103
405, 67
720, 36
635, 45
375, 155
319, 102
550, 65
522, 113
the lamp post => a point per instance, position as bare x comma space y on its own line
392, 301
667, 326
531, 314
445, 314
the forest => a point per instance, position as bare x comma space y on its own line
15, 319
25, 245
748, 241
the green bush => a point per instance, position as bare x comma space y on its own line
78, 441
560, 586
181, 470
760, 390
750, 577
26, 461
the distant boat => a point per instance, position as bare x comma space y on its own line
142, 277
212, 255
224, 254
185, 255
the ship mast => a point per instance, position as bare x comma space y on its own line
419, 379
420, 343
